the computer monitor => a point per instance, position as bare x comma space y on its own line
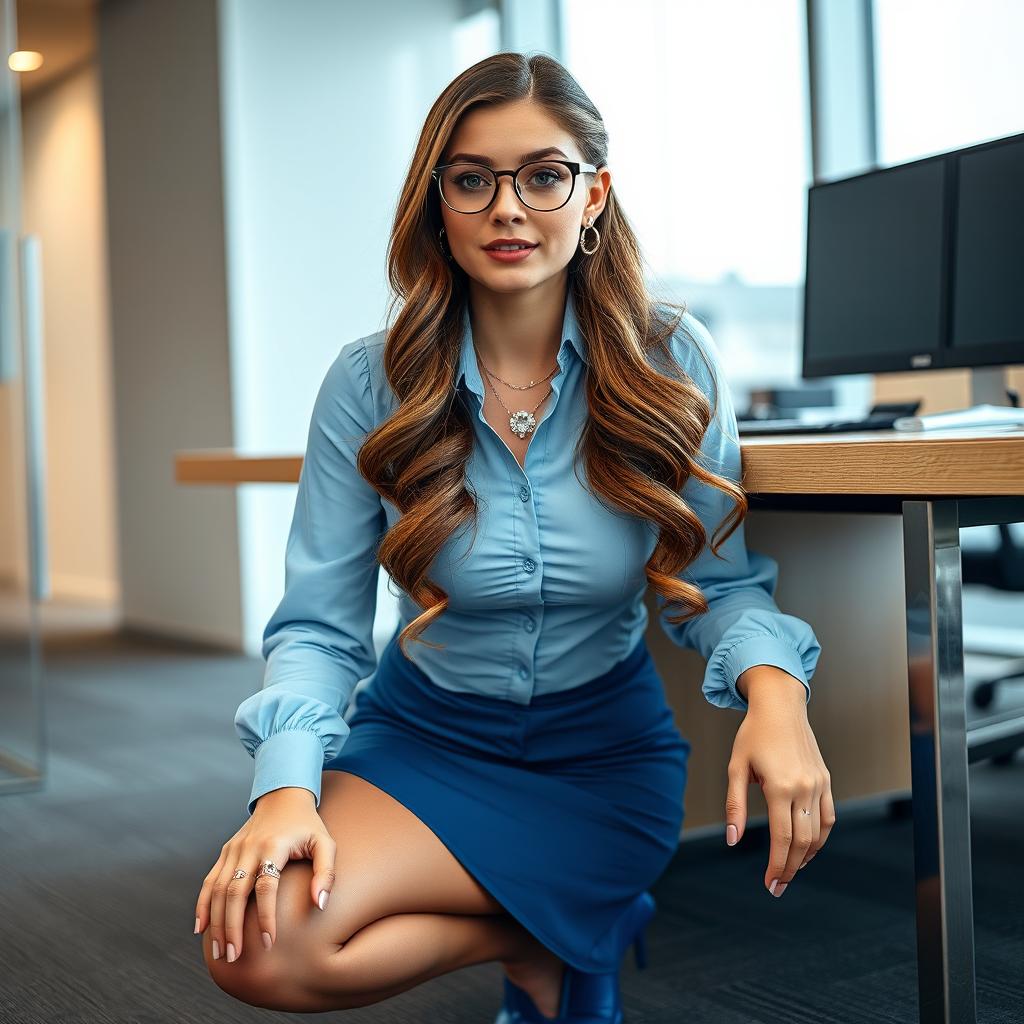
920, 266
875, 265
988, 247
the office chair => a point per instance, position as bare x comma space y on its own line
1002, 569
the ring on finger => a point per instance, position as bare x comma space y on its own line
240, 873
268, 867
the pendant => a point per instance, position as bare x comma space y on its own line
522, 423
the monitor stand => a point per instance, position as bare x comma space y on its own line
995, 405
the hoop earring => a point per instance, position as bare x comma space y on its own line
597, 240
441, 236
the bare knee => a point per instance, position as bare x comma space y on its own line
259, 980
277, 978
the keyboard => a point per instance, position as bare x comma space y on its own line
873, 421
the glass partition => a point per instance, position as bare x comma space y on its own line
23, 573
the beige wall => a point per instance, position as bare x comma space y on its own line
63, 204
179, 545
939, 389
843, 574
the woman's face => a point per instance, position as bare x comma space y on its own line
503, 135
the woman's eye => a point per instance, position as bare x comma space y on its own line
552, 177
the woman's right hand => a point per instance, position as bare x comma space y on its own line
284, 824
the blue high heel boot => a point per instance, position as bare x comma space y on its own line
586, 998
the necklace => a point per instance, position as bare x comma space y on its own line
518, 387
521, 422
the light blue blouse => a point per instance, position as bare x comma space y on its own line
550, 595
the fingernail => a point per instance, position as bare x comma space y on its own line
216, 950
322, 899
196, 932
232, 955
267, 941
781, 889
731, 835
771, 888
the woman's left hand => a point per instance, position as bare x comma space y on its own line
776, 748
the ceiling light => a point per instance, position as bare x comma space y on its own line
25, 60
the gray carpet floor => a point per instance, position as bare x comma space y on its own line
146, 780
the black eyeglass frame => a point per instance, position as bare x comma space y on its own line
576, 168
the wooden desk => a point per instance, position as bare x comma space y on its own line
937, 482
874, 462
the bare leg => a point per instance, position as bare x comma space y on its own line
401, 951
538, 972
403, 909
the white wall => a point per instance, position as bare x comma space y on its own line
63, 203
322, 107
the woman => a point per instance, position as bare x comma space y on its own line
510, 782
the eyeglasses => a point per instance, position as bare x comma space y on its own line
542, 185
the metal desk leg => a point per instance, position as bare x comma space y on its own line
942, 825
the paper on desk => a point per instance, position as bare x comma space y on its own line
988, 416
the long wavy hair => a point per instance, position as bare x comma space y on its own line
645, 426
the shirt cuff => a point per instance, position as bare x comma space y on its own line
292, 757
760, 649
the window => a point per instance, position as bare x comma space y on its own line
706, 111
949, 74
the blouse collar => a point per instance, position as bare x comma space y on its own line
469, 370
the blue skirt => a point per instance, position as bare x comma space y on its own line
564, 809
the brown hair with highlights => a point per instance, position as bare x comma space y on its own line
646, 418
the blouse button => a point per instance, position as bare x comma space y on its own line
523, 672
529, 564
529, 625
524, 492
